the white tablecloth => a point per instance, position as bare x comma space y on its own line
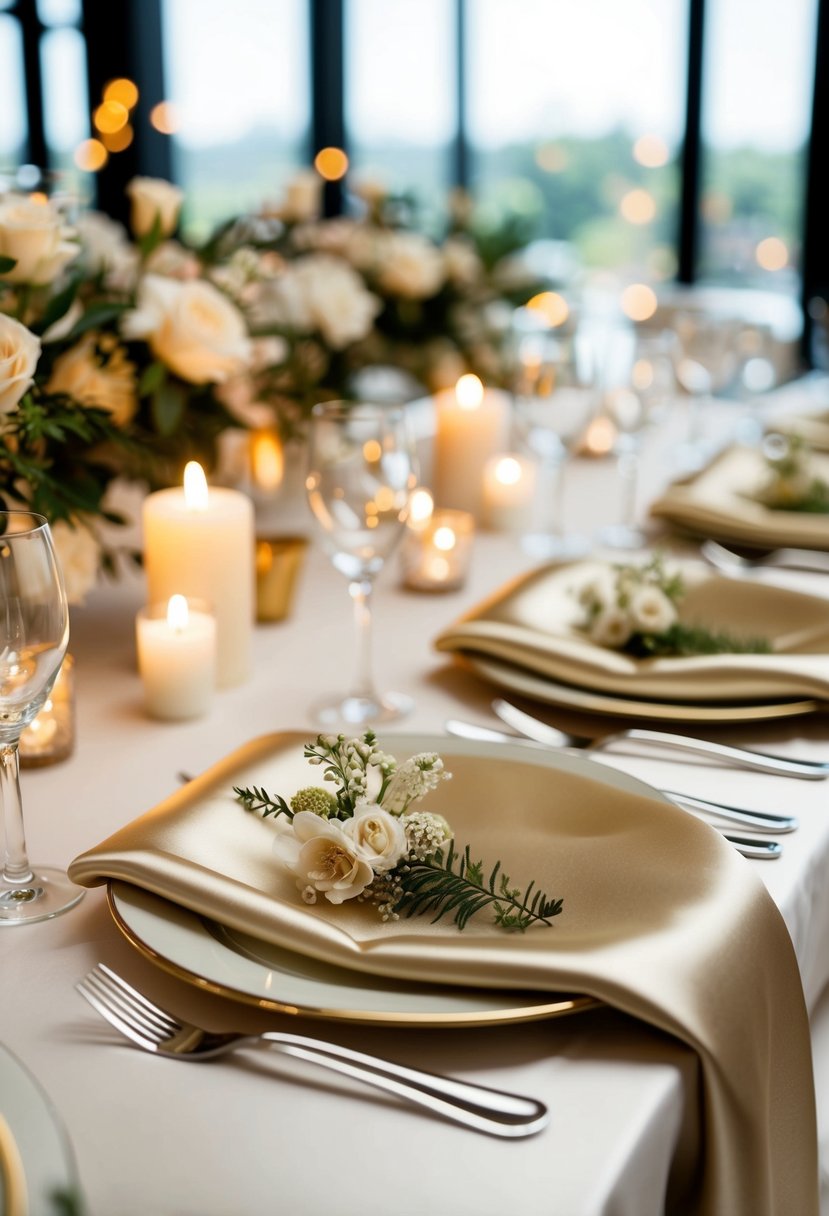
258, 1134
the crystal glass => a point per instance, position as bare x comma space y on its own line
706, 365
34, 632
555, 396
361, 471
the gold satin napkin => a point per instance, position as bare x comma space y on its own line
662, 919
813, 427
719, 502
534, 623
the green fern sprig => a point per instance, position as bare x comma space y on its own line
457, 885
682, 640
258, 799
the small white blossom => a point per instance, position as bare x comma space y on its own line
413, 780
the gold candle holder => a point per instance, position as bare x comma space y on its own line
51, 736
278, 563
435, 554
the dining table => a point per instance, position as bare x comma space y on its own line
253, 1132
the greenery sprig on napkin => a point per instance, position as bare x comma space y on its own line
363, 841
634, 609
792, 484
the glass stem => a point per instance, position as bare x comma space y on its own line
628, 470
16, 871
555, 518
360, 591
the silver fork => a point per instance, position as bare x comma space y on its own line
155, 1030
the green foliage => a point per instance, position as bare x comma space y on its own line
681, 641
457, 885
255, 798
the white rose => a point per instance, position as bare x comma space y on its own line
34, 235
320, 292
191, 327
107, 250
153, 197
651, 611
611, 628
19, 353
463, 265
322, 857
301, 200
78, 555
97, 372
410, 266
171, 259
379, 837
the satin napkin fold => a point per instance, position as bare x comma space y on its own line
719, 502
535, 623
661, 919
812, 426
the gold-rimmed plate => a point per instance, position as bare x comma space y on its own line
36, 1159
256, 972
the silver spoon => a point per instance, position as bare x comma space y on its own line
728, 562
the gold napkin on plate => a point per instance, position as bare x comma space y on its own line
662, 919
719, 502
813, 427
534, 623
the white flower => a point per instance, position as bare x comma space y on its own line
97, 372
152, 198
612, 627
191, 327
78, 556
415, 778
323, 858
320, 292
651, 611
410, 266
19, 353
171, 259
463, 265
34, 234
425, 833
378, 836
107, 250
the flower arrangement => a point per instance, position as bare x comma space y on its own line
791, 483
634, 608
364, 841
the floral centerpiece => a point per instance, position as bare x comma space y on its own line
791, 482
365, 840
635, 608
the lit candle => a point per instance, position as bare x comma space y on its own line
267, 462
200, 542
509, 492
176, 645
435, 553
51, 736
472, 424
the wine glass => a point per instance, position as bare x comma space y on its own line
361, 471
554, 396
34, 631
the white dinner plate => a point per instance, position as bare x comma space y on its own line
36, 1161
565, 696
255, 972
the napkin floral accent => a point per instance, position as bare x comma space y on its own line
363, 841
635, 609
792, 484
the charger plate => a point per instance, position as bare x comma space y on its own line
36, 1161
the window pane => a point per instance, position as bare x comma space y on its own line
12, 95
65, 113
237, 75
759, 74
59, 12
400, 93
575, 115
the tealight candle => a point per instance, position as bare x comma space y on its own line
200, 542
509, 492
435, 554
472, 424
176, 644
51, 736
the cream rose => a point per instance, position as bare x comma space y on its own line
651, 611
323, 858
611, 628
34, 235
320, 292
191, 327
19, 353
172, 260
79, 557
153, 197
410, 266
378, 836
97, 372
107, 250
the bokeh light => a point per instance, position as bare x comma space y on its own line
638, 207
772, 253
123, 91
90, 156
639, 302
110, 116
164, 117
553, 308
331, 163
651, 151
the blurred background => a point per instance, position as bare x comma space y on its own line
672, 143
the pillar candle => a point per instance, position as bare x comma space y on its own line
176, 645
200, 542
509, 492
472, 424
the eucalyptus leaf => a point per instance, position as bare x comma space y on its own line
168, 405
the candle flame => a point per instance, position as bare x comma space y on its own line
178, 614
469, 392
444, 539
421, 506
508, 471
267, 460
195, 486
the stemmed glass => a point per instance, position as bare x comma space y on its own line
554, 395
34, 632
361, 471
